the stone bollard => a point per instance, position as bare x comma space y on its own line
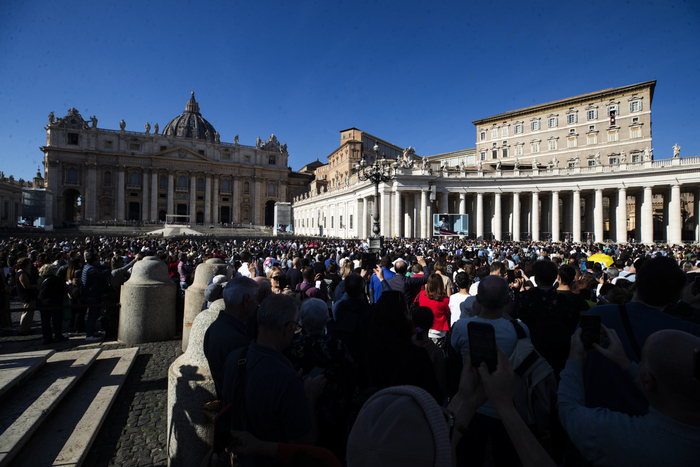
194, 296
147, 304
190, 386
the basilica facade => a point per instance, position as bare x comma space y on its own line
183, 174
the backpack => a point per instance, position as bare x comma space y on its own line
301, 292
535, 384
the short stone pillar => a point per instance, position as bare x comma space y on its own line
190, 386
194, 296
148, 304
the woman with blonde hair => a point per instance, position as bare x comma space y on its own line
435, 298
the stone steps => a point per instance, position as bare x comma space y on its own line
16, 367
53, 417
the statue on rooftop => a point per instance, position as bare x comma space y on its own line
257, 142
94, 121
122, 125
235, 139
52, 118
147, 126
217, 137
155, 129
676, 150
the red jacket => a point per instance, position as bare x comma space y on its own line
441, 310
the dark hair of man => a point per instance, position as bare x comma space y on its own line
567, 274
462, 280
332, 267
308, 274
401, 267
91, 257
354, 285
385, 262
245, 256
497, 266
422, 317
660, 281
545, 273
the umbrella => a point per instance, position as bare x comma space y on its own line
601, 258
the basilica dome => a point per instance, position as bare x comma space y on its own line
190, 124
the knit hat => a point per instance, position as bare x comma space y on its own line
400, 426
212, 292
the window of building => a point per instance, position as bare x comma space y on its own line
591, 162
494, 133
572, 165
636, 157
591, 127
108, 144
331, 222
340, 221
519, 150
226, 156
271, 189
571, 142
272, 160
552, 122
350, 222
518, 128
134, 179
200, 184
163, 148
201, 151
635, 106
571, 118
107, 179
612, 109
612, 135
635, 132
591, 114
225, 185
246, 187
613, 160
134, 146
72, 138
73, 175
494, 154
552, 144
504, 131
182, 181
483, 135
163, 181
591, 139
534, 126
535, 146
504, 152
483, 155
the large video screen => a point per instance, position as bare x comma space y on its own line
450, 225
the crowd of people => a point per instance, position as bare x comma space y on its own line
327, 352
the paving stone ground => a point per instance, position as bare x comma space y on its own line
134, 433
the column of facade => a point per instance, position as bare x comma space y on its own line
675, 223
429, 219
555, 216
598, 216
257, 205
384, 211
444, 203
479, 215
497, 217
360, 218
417, 206
462, 203
235, 201
647, 219
621, 216
144, 193
171, 190
423, 211
576, 216
215, 202
207, 198
396, 215
193, 198
535, 208
154, 195
91, 198
516, 217
120, 193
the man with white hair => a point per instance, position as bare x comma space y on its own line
409, 286
228, 332
269, 397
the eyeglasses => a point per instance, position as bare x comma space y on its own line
297, 326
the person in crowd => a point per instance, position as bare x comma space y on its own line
27, 292
271, 399
184, 270
669, 434
308, 285
492, 298
51, 292
314, 351
435, 298
409, 286
375, 284
228, 332
565, 277
462, 282
422, 318
659, 283
294, 276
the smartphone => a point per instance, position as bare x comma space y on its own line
282, 281
482, 345
369, 261
316, 371
511, 276
605, 277
590, 331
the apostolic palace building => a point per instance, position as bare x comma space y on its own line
580, 168
184, 173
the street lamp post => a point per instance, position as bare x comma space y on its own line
380, 171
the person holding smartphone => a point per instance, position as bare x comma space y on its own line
491, 299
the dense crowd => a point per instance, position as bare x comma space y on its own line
327, 352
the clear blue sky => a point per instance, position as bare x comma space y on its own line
415, 73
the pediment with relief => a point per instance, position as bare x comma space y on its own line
181, 153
